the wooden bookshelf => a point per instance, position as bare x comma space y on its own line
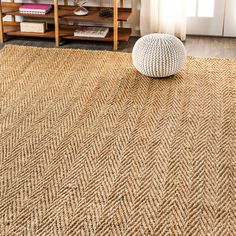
64, 13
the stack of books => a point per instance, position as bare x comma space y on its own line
41, 9
92, 32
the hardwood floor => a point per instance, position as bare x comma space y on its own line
195, 45
211, 46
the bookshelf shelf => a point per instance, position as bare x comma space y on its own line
50, 15
123, 35
12, 9
63, 13
13, 29
66, 32
67, 13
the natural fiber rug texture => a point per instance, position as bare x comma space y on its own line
88, 146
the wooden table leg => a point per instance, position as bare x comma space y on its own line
56, 22
115, 25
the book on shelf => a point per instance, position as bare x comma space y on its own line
91, 31
35, 8
33, 27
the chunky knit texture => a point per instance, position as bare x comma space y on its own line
158, 55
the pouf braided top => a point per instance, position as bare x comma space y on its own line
158, 55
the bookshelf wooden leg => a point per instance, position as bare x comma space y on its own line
121, 5
115, 25
56, 22
1, 24
13, 17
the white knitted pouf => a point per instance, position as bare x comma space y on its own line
158, 55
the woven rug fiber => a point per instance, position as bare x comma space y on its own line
88, 146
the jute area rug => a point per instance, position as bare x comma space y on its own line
88, 146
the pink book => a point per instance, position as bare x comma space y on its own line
35, 7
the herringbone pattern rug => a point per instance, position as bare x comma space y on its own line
91, 147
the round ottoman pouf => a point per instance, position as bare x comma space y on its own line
158, 55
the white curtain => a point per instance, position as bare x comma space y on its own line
163, 16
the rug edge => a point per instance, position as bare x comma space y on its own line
12, 46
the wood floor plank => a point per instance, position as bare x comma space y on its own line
195, 45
